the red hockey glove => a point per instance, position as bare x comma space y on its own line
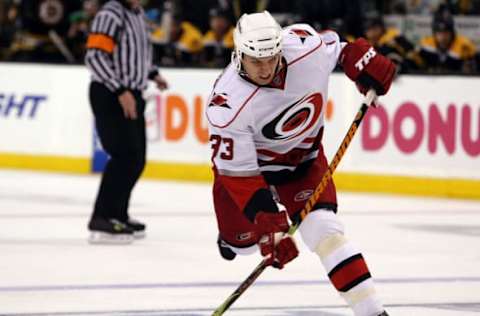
366, 67
276, 246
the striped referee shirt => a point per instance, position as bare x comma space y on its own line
119, 52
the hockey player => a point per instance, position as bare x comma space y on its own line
266, 121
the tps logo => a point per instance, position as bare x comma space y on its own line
362, 62
20, 106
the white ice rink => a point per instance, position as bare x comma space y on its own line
424, 254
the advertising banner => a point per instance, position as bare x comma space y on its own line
44, 110
426, 127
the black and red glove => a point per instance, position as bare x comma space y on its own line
275, 244
366, 67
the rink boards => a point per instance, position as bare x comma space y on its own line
424, 139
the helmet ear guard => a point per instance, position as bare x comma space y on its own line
257, 35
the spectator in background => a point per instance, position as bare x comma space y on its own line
44, 25
427, 7
9, 24
464, 7
177, 43
218, 41
239, 7
79, 23
446, 51
389, 42
423, 7
468, 7
197, 12
322, 14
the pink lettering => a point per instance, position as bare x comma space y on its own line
441, 130
472, 147
370, 141
408, 110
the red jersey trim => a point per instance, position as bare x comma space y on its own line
236, 114
306, 54
241, 189
309, 140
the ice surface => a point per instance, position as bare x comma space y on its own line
424, 254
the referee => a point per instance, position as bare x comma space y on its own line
119, 57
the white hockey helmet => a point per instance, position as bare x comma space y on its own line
256, 35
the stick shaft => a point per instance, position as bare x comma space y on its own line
335, 161
60, 44
240, 289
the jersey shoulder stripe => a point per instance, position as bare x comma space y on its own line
302, 40
298, 39
305, 55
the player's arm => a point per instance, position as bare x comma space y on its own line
101, 43
366, 67
360, 62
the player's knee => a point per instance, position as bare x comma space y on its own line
320, 226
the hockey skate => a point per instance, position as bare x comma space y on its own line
109, 231
137, 227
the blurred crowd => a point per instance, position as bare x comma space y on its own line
199, 33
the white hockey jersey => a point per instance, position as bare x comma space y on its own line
266, 129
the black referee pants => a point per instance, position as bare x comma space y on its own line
125, 141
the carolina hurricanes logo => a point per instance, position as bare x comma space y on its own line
220, 100
296, 119
303, 34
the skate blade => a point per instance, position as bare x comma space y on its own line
101, 238
139, 235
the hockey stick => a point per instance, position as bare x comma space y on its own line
60, 44
371, 95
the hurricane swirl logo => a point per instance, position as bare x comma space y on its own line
296, 119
